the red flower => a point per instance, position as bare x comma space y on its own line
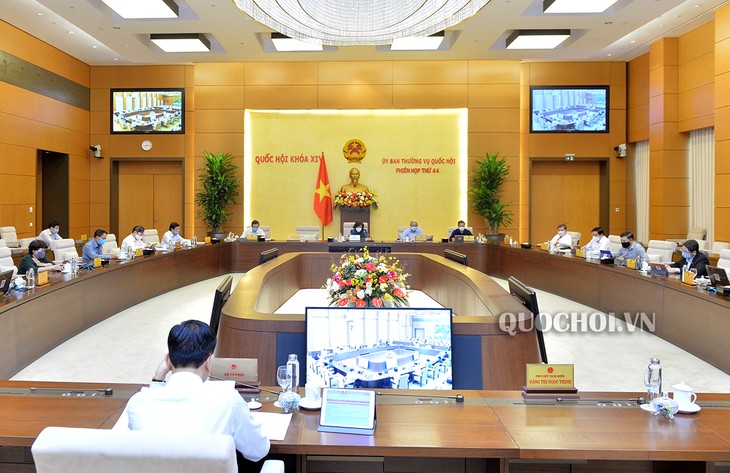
360, 303
377, 302
382, 280
370, 267
398, 292
342, 302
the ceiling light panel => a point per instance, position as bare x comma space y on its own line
576, 6
139, 9
182, 43
536, 39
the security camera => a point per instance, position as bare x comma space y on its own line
96, 149
620, 150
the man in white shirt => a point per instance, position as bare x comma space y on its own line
50, 234
561, 240
253, 230
172, 235
599, 242
133, 240
188, 402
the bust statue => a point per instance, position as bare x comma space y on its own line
355, 185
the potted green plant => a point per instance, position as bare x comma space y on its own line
219, 188
486, 193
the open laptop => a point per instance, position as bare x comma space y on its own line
659, 269
5, 278
459, 238
718, 276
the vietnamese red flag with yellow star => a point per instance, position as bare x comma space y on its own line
322, 194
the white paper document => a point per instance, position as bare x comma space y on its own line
274, 425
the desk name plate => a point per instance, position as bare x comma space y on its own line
549, 376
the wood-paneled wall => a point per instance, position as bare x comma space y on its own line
722, 124
31, 121
489, 89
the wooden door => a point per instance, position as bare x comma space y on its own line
564, 192
150, 194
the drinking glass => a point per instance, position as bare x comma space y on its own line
283, 377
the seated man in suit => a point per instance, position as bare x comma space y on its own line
188, 402
692, 258
460, 230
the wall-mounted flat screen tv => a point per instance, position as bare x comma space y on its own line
145, 111
569, 109
393, 348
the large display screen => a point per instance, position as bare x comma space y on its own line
393, 348
145, 111
569, 109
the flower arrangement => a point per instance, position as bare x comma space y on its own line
367, 281
355, 200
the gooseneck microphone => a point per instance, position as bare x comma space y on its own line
106, 391
457, 397
244, 385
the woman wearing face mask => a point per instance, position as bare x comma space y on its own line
172, 235
692, 257
359, 229
460, 230
133, 240
561, 241
630, 249
36, 259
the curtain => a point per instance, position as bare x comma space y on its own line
702, 180
641, 163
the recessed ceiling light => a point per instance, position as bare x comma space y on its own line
423, 43
285, 44
536, 39
144, 9
40, 13
182, 42
576, 6
94, 46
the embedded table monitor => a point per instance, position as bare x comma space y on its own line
379, 348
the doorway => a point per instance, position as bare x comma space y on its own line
147, 193
52, 191
570, 192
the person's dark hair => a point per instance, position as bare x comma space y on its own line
138, 229
99, 233
562, 225
460, 221
356, 224
190, 343
255, 222
174, 225
598, 230
692, 246
36, 245
628, 235
53, 223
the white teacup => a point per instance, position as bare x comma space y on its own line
313, 391
684, 395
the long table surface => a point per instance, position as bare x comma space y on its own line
489, 424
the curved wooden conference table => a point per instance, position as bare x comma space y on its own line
482, 435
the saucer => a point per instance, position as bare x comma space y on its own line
276, 404
647, 407
305, 403
689, 409
253, 405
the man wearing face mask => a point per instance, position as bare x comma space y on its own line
172, 235
598, 243
50, 234
630, 249
561, 241
460, 230
133, 240
92, 248
693, 258
413, 232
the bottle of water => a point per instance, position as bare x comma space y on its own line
193, 241
653, 380
74, 266
30, 276
292, 367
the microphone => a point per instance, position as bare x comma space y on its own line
244, 385
458, 397
106, 391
